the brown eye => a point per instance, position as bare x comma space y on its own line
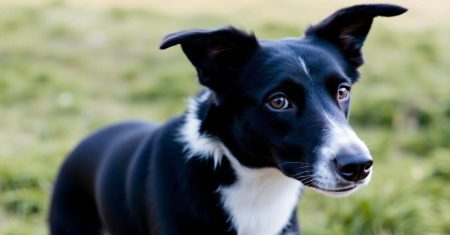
343, 93
279, 102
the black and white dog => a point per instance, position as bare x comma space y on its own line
271, 120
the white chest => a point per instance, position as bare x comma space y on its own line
261, 201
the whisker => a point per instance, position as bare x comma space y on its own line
303, 172
303, 168
299, 163
306, 179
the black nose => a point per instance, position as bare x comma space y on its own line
353, 167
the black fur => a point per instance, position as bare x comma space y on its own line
135, 178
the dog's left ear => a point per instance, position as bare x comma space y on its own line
218, 55
347, 28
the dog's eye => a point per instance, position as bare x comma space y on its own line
343, 93
279, 102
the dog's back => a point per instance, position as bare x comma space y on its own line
92, 182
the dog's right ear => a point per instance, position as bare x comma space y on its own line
347, 28
218, 55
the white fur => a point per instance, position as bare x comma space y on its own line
196, 144
261, 200
325, 176
303, 66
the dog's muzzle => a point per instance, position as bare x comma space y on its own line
343, 162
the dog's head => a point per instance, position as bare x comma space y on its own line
285, 103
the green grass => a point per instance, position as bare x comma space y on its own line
67, 69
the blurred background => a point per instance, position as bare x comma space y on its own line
69, 67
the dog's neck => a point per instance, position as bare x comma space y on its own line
196, 143
261, 200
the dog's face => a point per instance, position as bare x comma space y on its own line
294, 100
285, 103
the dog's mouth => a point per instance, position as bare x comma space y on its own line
327, 186
335, 190
339, 189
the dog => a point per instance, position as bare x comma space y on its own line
272, 119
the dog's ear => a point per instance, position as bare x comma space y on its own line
347, 28
218, 55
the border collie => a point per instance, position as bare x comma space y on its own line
271, 120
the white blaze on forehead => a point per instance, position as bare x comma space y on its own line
303, 66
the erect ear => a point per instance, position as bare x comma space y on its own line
347, 28
218, 55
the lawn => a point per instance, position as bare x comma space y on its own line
67, 68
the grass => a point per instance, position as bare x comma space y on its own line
68, 68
